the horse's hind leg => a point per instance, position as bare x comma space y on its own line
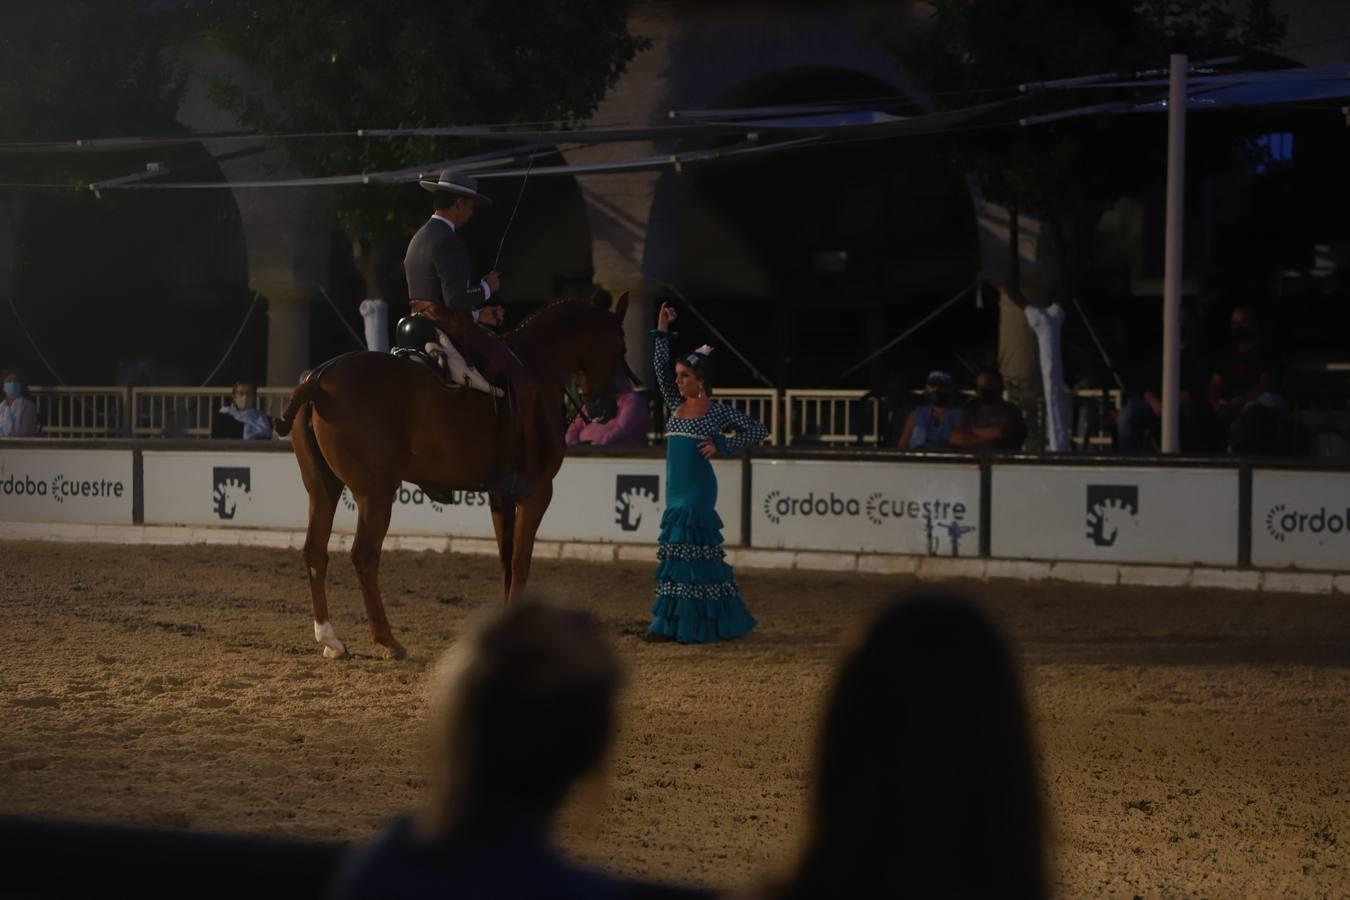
372, 522
325, 489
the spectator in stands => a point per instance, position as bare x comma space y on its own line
926, 782
628, 428
1139, 423
988, 422
1244, 372
525, 710
241, 418
929, 426
18, 412
1266, 426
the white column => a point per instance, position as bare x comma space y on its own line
1176, 203
376, 316
1048, 323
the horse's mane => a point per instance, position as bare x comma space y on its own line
552, 313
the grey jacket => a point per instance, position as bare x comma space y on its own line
437, 267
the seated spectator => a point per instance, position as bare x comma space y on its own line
628, 428
1265, 426
988, 422
18, 412
1243, 372
525, 710
1139, 423
929, 426
241, 418
925, 781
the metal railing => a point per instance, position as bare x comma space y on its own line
831, 417
794, 417
81, 412
187, 412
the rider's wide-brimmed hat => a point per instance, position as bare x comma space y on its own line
449, 182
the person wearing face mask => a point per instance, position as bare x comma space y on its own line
988, 422
18, 413
929, 426
241, 418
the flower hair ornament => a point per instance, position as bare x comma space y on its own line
699, 356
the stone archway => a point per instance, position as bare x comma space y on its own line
811, 257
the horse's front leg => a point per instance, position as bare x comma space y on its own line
504, 524
529, 513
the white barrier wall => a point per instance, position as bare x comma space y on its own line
930, 509
1301, 520
594, 499
89, 486
1117, 514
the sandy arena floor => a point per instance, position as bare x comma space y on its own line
1194, 743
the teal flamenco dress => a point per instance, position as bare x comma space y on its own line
697, 600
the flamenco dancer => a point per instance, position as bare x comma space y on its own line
697, 601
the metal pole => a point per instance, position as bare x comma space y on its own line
1176, 196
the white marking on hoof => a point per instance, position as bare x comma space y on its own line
332, 647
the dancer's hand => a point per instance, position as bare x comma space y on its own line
665, 317
491, 315
708, 449
493, 281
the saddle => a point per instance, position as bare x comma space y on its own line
417, 338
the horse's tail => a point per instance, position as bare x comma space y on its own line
302, 394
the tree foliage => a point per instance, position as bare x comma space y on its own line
1070, 172
340, 65
82, 69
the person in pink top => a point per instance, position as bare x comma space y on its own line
628, 428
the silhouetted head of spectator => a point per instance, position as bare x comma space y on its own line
926, 784
1244, 328
245, 395
940, 388
989, 386
15, 386
525, 709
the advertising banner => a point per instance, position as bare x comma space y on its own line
1301, 520
598, 499
928, 509
1115, 514
82, 486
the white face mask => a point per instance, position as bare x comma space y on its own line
13, 390
243, 401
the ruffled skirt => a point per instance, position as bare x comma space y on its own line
697, 600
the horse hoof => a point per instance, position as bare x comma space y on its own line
395, 651
330, 653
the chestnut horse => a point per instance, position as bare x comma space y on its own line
371, 421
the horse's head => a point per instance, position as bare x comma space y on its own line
601, 362
580, 340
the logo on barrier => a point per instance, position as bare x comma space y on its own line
937, 517
1112, 509
231, 488
415, 496
60, 488
636, 498
1281, 522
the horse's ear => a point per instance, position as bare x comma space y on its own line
622, 307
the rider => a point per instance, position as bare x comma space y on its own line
439, 288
